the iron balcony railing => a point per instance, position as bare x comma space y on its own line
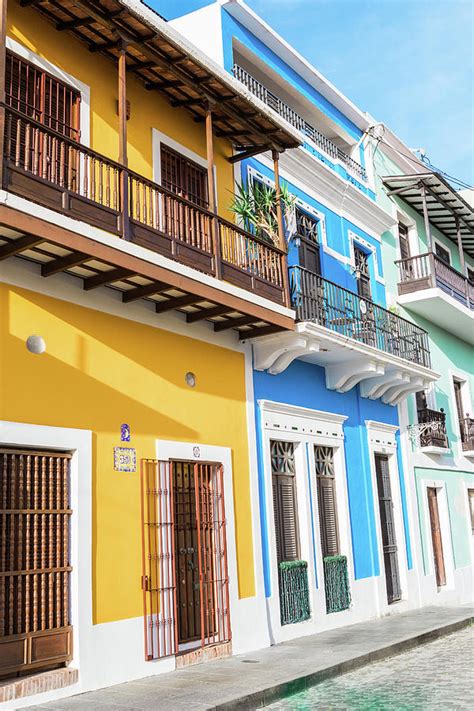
466, 426
433, 433
321, 301
64, 175
286, 112
426, 271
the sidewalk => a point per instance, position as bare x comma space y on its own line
252, 681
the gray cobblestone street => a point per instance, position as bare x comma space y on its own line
438, 675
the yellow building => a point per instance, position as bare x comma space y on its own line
127, 294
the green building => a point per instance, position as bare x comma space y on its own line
428, 261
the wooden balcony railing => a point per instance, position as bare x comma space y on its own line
57, 172
286, 112
433, 433
466, 426
321, 301
426, 271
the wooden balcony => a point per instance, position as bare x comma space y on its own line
428, 271
433, 432
290, 115
58, 173
321, 301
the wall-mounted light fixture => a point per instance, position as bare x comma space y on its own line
190, 379
36, 344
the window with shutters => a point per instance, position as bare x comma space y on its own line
362, 267
470, 494
307, 232
403, 241
284, 500
42, 97
184, 177
442, 253
326, 484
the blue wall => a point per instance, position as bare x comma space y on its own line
304, 385
337, 228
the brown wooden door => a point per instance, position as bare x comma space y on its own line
436, 537
307, 231
35, 626
387, 525
403, 241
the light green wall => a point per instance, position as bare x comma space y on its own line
459, 523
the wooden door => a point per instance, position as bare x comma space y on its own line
403, 241
436, 537
186, 553
35, 626
307, 232
387, 525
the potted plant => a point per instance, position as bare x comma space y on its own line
256, 206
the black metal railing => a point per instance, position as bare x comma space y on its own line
427, 271
434, 432
466, 426
321, 301
286, 112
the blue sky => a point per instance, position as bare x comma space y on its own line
407, 62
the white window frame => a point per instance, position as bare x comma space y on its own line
45, 65
381, 440
444, 247
413, 239
445, 526
305, 428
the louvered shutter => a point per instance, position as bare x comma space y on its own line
326, 483
183, 177
284, 501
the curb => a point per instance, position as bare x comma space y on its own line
268, 696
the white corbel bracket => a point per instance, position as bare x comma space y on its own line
373, 388
399, 392
344, 376
276, 354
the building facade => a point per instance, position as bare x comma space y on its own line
129, 534
336, 507
429, 267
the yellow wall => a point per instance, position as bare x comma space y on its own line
100, 371
148, 108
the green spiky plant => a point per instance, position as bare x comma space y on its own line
255, 204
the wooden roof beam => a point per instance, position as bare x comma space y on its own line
19, 245
62, 263
73, 24
106, 278
249, 153
234, 323
140, 292
207, 313
170, 304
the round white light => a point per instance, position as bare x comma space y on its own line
190, 379
36, 344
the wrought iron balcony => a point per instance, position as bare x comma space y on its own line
466, 426
59, 173
286, 112
427, 271
321, 301
432, 428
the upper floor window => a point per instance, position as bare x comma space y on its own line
470, 275
326, 484
362, 268
184, 177
307, 232
403, 241
442, 253
42, 97
284, 500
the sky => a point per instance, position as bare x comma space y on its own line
409, 63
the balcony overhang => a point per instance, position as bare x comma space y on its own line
60, 244
446, 209
166, 62
347, 362
438, 307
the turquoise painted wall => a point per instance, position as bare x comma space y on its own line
459, 523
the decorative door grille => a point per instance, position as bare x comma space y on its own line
178, 496
35, 513
387, 525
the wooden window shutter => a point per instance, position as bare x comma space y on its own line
284, 501
184, 177
326, 483
403, 241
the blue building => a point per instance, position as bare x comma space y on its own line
336, 509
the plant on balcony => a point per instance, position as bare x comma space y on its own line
336, 583
256, 206
294, 592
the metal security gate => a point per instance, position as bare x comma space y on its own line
35, 513
185, 580
387, 525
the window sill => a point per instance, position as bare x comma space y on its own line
435, 450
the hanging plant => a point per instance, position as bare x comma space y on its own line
255, 205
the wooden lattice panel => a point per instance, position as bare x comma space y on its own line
35, 513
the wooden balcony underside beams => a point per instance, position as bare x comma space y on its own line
97, 264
